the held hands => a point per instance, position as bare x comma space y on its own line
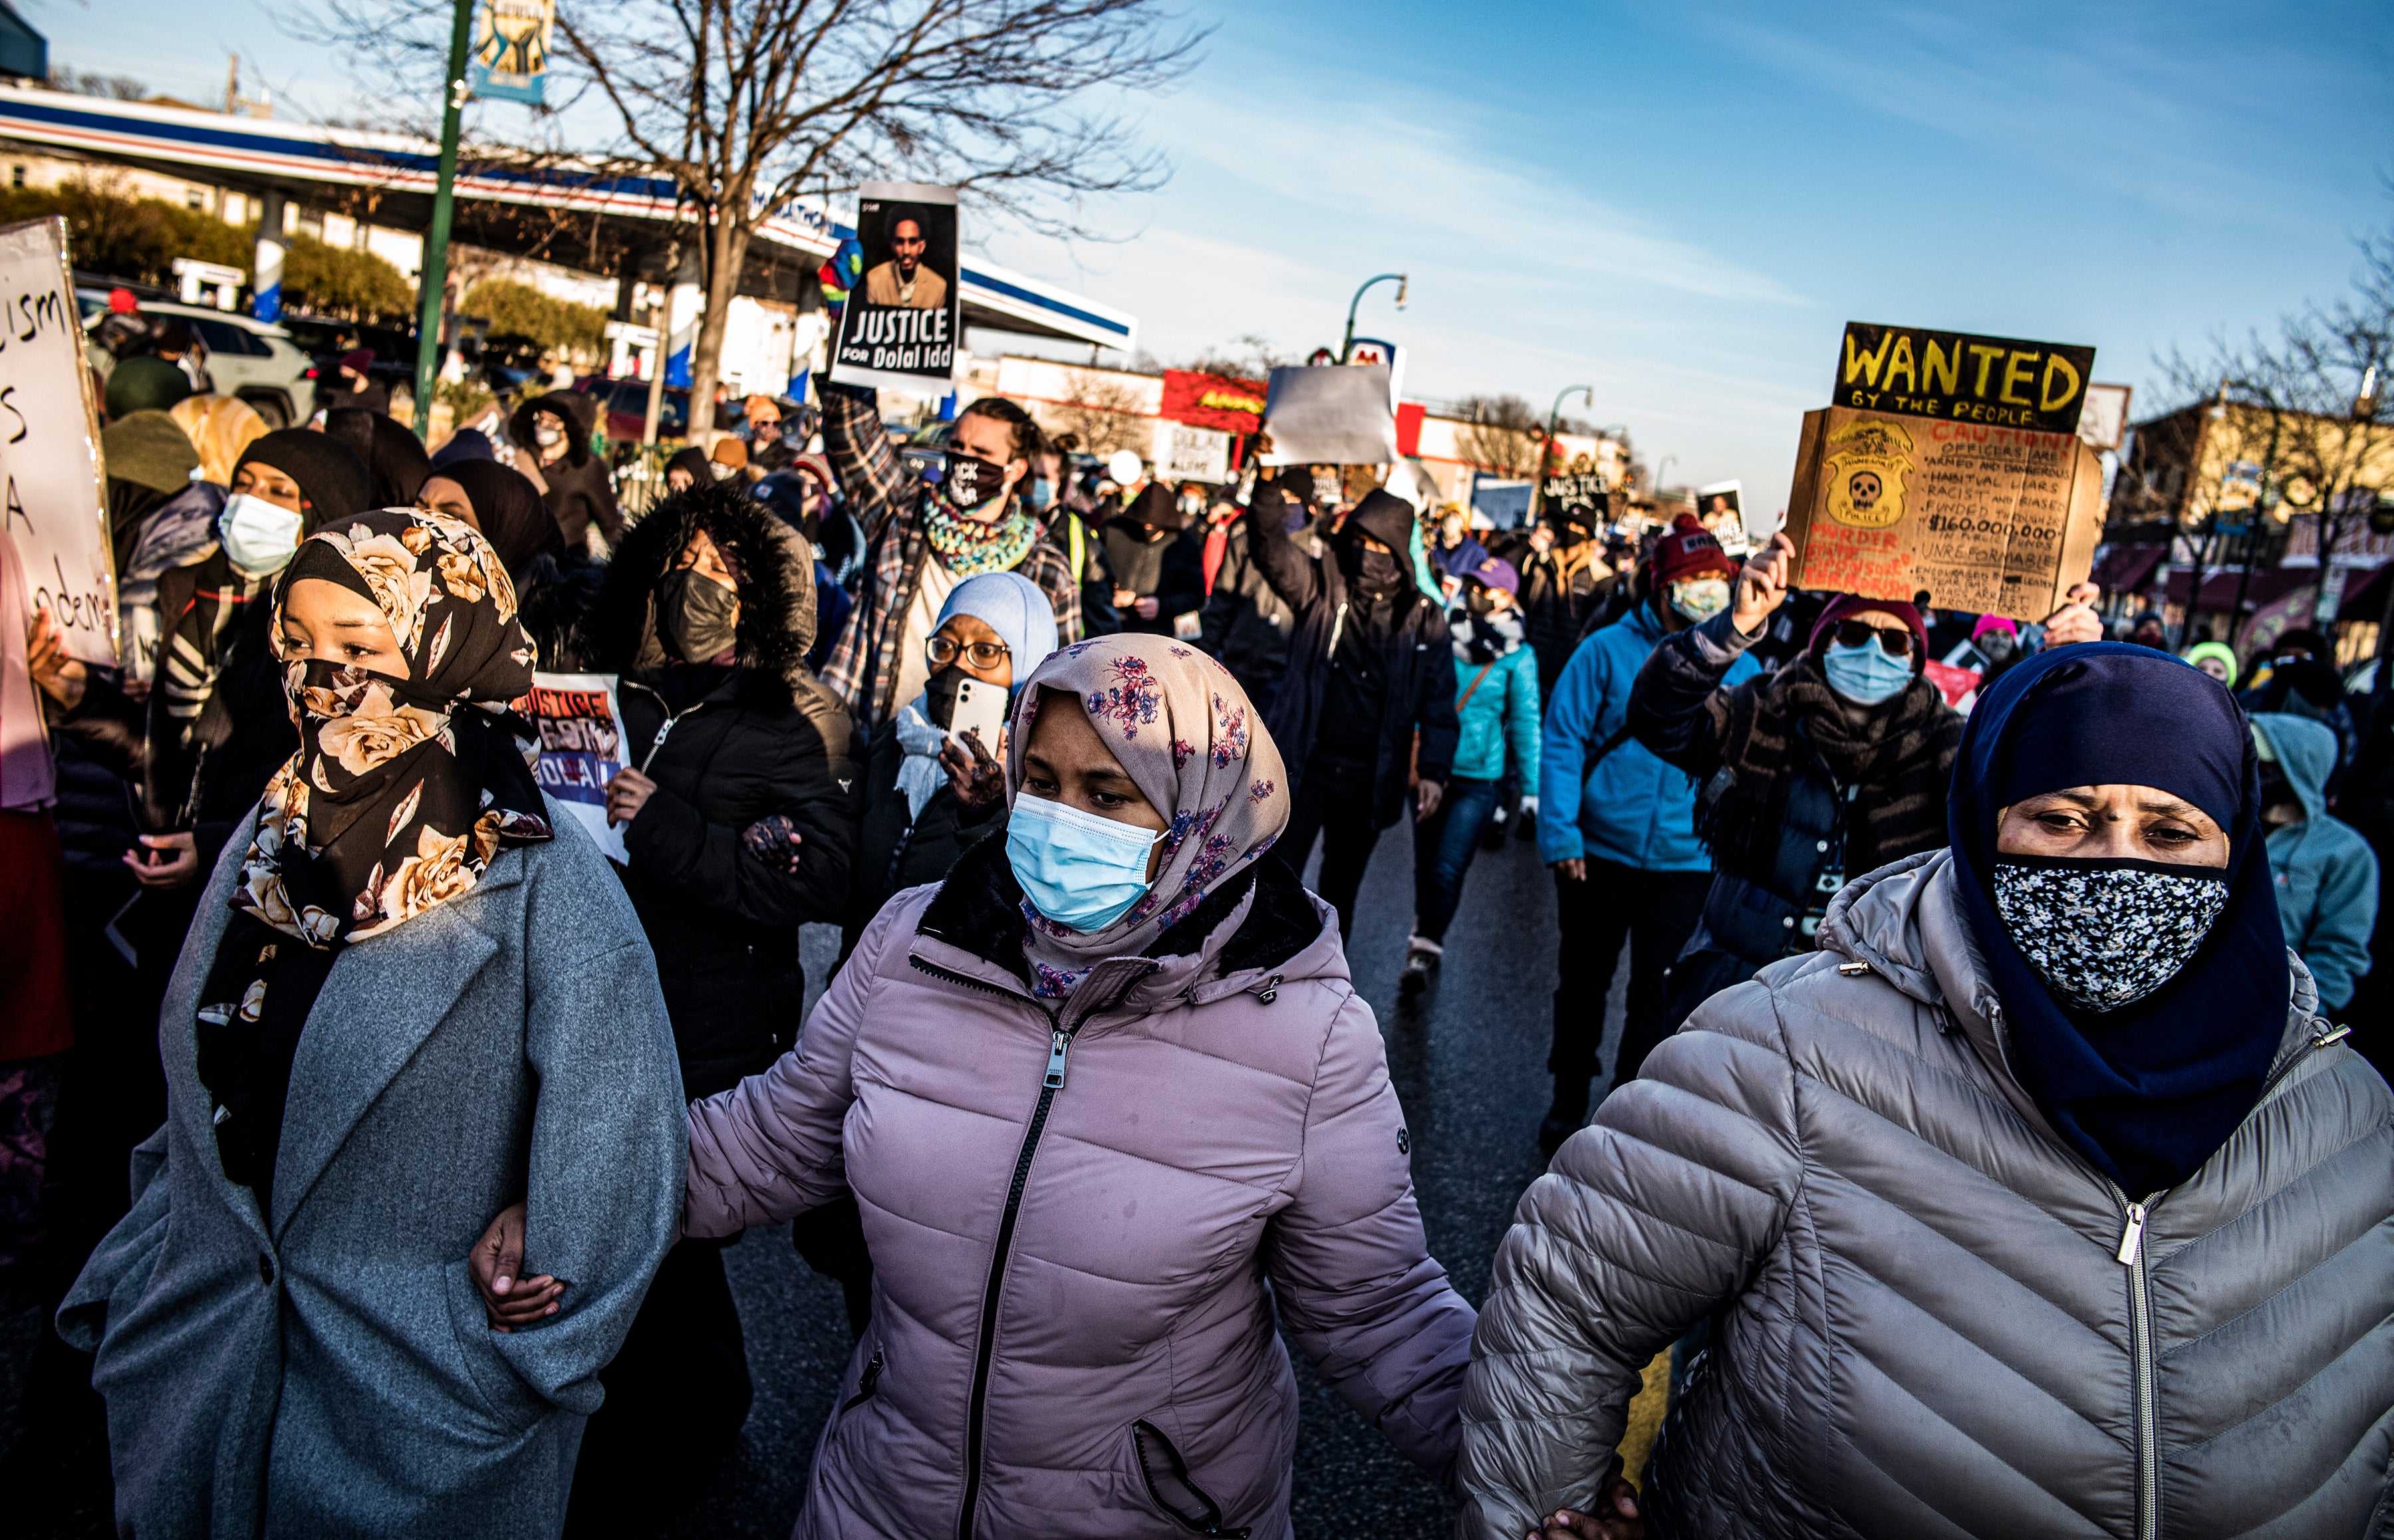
627, 795
2077, 620
508, 1299
977, 778
1617, 1518
1426, 799
170, 861
1761, 585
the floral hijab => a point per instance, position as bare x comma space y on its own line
403, 790
1187, 736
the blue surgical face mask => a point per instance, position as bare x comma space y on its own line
1864, 673
258, 536
1076, 868
1043, 492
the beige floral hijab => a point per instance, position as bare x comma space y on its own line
402, 789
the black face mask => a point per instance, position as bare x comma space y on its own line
698, 615
940, 695
2276, 790
1478, 599
1375, 574
968, 483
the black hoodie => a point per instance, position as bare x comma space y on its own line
579, 491
761, 740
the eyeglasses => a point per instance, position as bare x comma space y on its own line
942, 651
1893, 640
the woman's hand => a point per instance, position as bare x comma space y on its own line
178, 863
509, 1300
627, 795
1427, 796
1146, 607
977, 778
1617, 1518
2077, 620
56, 675
1761, 585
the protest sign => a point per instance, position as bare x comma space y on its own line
53, 498
1331, 415
581, 749
1581, 487
1186, 454
1223, 402
1995, 520
1372, 350
511, 49
2105, 420
903, 319
2000, 382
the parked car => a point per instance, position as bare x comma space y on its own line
255, 360
625, 407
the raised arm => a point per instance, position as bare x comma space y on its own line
1292, 573
859, 452
1678, 708
1646, 1221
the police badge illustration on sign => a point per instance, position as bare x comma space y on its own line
1865, 472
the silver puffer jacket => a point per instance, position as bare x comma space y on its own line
1930, 1317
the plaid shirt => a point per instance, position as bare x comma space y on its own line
862, 669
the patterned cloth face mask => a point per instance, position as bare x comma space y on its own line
2103, 933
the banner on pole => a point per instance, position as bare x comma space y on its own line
510, 61
53, 496
904, 318
581, 749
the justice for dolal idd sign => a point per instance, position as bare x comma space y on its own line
1951, 464
53, 500
904, 319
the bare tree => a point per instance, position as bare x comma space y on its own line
1247, 356
86, 83
1506, 437
749, 106
1103, 412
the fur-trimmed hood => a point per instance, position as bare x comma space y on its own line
776, 586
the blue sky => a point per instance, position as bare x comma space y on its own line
1680, 205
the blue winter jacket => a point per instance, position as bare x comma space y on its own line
1633, 808
2326, 874
1502, 714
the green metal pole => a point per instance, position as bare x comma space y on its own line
433, 283
1399, 278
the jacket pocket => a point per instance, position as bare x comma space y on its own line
1171, 1488
505, 1396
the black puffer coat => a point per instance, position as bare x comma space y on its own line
1420, 672
579, 491
894, 852
766, 741
1244, 623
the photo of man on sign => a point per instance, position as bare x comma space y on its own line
903, 282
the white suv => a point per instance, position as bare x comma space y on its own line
255, 360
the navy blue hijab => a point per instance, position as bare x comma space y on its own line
2148, 1091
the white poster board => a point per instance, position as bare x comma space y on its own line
902, 326
581, 749
2104, 419
1330, 414
53, 491
1185, 454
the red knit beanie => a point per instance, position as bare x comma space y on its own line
1687, 549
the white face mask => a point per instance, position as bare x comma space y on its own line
258, 536
1700, 598
547, 437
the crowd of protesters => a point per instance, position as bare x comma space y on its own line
1986, 1150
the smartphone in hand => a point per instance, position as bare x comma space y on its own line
980, 707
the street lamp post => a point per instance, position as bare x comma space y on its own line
433, 279
1660, 472
1401, 282
1554, 415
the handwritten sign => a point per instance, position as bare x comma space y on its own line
581, 749
1995, 520
53, 495
1997, 381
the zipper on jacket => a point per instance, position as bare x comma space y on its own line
866, 1383
664, 729
2131, 1255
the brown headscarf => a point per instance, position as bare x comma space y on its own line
1185, 733
219, 428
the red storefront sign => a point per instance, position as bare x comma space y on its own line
1222, 403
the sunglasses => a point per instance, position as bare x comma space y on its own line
1893, 640
942, 651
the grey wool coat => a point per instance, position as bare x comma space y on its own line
326, 1369
1928, 1320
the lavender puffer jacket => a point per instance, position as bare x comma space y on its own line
1073, 1215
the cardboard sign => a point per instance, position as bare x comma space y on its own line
1191, 454
1223, 402
1332, 415
53, 489
1995, 520
2000, 382
581, 749
904, 319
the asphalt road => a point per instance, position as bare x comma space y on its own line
1468, 1059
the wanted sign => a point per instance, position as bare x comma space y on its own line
1997, 381
904, 317
581, 749
53, 497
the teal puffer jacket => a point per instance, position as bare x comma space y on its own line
1503, 712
